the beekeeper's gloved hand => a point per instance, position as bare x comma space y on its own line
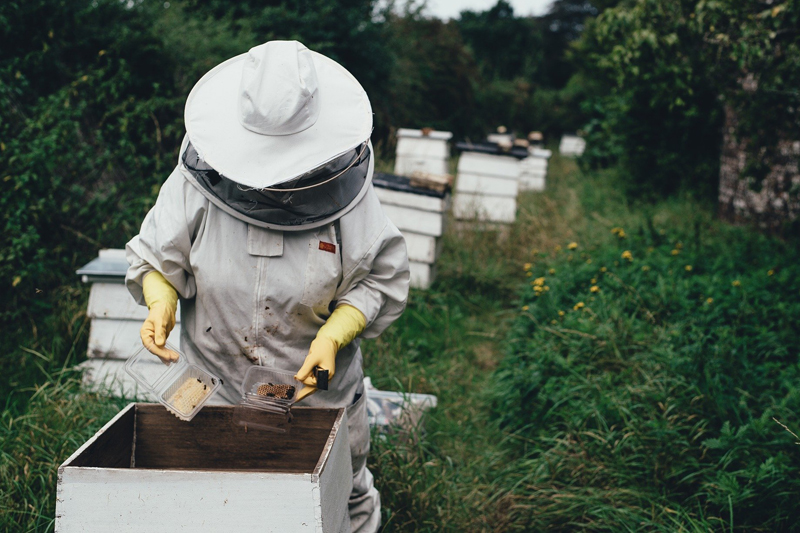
162, 300
344, 325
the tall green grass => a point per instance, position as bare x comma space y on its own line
644, 374
40, 427
646, 404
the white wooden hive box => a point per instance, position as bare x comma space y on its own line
571, 145
147, 471
533, 173
486, 187
417, 151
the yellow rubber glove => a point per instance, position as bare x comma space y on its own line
162, 300
344, 325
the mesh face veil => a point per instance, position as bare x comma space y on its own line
310, 198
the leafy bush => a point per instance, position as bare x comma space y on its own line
88, 130
644, 373
663, 70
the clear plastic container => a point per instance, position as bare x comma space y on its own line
182, 388
267, 397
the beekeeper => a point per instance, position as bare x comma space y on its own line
270, 233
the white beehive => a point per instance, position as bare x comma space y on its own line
571, 145
146, 471
533, 170
116, 319
486, 187
420, 215
421, 151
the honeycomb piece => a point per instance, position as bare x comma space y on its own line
283, 392
188, 395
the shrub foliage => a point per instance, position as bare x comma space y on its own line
645, 374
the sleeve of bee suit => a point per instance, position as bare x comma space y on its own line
165, 238
375, 266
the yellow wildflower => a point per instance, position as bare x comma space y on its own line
688, 268
770, 272
539, 281
537, 289
675, 252
589, 261
617, 231
561, 313
736, 283
594, 280
645, 268
554, 321
709, 301
572, 245
603, 269
594, 288
579, 305
525, 307
17, 280
527, 266
529, 274
546, 288
551, 271
627, 255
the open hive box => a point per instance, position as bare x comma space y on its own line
148, 471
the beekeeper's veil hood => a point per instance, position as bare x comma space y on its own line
279, 137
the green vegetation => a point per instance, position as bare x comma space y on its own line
663, 71
649, 407
644, 404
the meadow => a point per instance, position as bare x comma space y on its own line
600, 366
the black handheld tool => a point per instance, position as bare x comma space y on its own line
321, 377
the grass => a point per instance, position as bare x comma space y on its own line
596, 423
647, 405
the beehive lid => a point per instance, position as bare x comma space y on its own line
109, 266
518, 152
425, 133
403, 184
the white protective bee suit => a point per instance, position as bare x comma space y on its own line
252, 293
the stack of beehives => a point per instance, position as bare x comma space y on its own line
416, 197
571, 145
533, 169
422, 150
487, 182
115, 322
419, 213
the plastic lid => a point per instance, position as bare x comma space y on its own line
267, 397
181, 387
153, 377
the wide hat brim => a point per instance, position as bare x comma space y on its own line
255, 160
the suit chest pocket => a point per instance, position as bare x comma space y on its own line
323, 268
